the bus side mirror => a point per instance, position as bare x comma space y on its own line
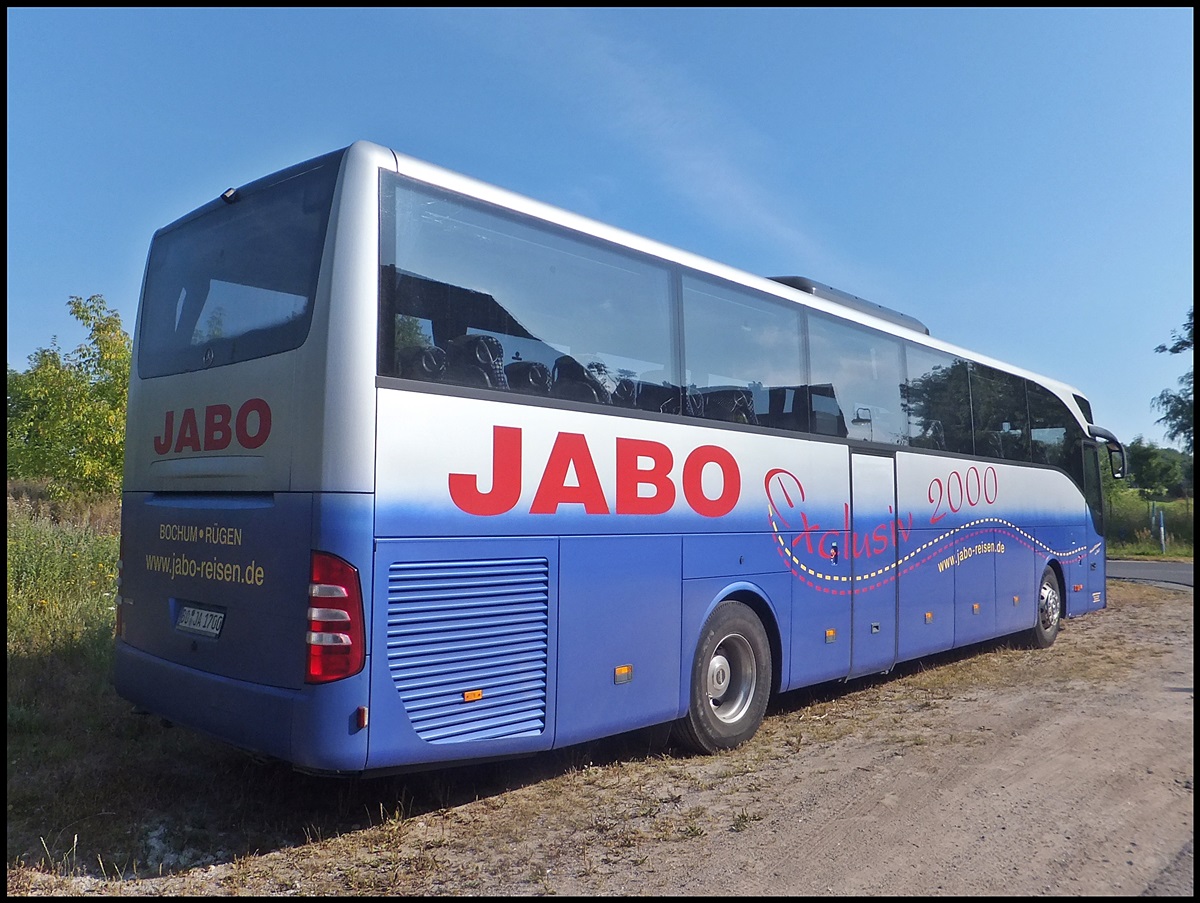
1116, 461
1116, 451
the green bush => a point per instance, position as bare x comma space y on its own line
66, 413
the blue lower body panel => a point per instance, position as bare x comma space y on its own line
313, 728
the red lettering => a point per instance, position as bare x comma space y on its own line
959, 493
822, 549
990, 497
806, 534
217, 434
881, 538
643, 479
247, 439
630, 477
162, 444
189, 432
570, 450
506, 477
776, 485
862, 545
693, 486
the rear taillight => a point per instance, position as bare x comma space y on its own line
336, 643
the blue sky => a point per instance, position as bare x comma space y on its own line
1019, 180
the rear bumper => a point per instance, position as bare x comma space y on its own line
312, 728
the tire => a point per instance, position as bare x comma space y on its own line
731, 681
1049, 611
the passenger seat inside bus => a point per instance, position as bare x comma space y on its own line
424, 362
476, 360
731, 404
647, 396
662, 397
576, 382
530, 377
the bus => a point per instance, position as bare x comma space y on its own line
420, 472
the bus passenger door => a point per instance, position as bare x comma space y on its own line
871, 556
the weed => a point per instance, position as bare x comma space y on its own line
64, 864
743, 819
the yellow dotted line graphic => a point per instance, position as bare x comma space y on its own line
787, 552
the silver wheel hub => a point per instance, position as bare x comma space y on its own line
732, 678
1048, 606
718, 676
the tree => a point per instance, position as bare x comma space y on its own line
1157, 472
66, 413
1179, 412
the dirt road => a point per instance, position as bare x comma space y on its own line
1006, 771
1059, 784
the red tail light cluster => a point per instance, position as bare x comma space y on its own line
336, 638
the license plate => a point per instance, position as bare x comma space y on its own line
201, 621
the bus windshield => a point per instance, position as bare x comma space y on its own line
236, 280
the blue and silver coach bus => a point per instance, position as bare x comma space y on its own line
420, 472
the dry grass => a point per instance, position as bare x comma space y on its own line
99, 513
145, 801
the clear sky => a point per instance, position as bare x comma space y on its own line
1020, 180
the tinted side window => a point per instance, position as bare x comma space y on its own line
477, 296
1051, 428
856, 372
999, 413
742, 355
1055, 436
937, 401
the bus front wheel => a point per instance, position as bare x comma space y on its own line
731, 681
1049, 612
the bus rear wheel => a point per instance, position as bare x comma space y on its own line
731, 681
1049, 612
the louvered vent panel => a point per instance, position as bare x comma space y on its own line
470, 627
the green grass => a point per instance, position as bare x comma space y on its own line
1149, 546
61, 595
1136, 526
61, 588
61, 591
